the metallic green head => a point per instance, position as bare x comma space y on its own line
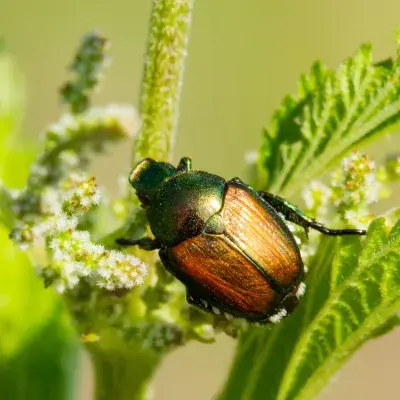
147, 176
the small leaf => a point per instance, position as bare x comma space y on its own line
353, 296
333, 112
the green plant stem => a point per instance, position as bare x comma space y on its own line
124, 374
162, 78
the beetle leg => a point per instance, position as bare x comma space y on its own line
144, 243
293, 214
184, 165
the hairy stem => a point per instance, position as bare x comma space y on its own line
162, 78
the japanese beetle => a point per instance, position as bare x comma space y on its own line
226, 242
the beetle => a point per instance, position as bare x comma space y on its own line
226, 242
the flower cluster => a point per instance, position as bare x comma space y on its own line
73, 136
73, 254
54, 202
160, 335
355, 187
67, 144
89, 61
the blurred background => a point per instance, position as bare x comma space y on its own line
243, 58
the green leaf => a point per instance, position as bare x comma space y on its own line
353, 295
44, 367
334, 111
38, 348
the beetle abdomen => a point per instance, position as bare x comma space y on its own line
246, 261
258, 231
214, 266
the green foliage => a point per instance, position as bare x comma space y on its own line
353, 287
19, 315
334, 112
43, 372
37, 347
354, 295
